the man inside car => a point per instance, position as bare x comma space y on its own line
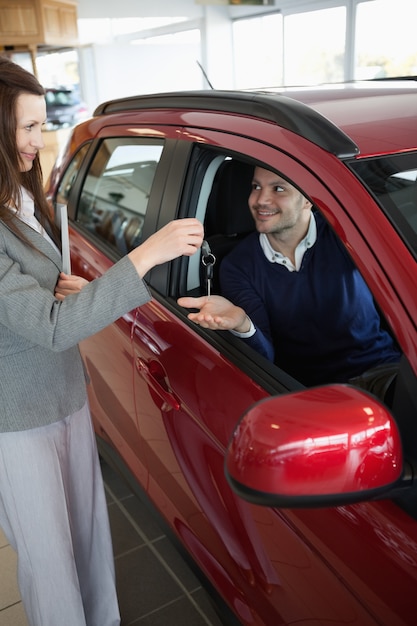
292, 292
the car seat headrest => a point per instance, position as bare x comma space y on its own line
227, 211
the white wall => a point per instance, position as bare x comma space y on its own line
115, 68
190, 8
139, 8
125, 70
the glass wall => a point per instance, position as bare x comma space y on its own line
258, 51
385, 39
314, 46
303, 45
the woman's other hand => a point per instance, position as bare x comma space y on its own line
68, 284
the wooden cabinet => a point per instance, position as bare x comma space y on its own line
38, 22
59, 22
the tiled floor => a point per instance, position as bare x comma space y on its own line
155, 586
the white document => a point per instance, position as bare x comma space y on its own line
63, 222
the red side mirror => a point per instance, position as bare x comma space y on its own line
319, 447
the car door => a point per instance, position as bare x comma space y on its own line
110, 194
272, 566
181, 427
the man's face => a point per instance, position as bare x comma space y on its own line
276, 206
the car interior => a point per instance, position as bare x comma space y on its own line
227, 219
116, 206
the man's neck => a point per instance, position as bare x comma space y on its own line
287, 241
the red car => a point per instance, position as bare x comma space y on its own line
297, 505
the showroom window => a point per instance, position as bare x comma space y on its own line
257, 45
314, 47
385, 39
311, 43
300, 48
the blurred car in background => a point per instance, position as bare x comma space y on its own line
64, 108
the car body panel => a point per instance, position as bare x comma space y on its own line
362, 107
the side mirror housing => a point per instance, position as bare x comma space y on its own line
324, 446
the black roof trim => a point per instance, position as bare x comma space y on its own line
284, 111
395, 78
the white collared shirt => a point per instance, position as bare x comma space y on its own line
276, 257
27, 215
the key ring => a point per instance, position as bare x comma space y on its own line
208, 259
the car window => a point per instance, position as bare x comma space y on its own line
116, 190
393, 180
70, 175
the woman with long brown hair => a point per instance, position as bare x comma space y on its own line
52, 504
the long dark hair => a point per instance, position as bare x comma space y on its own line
14, 81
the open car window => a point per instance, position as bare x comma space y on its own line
222, 205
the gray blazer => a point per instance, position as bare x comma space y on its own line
41, 373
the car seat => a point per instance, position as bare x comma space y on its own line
228, 218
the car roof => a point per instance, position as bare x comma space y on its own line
379, 116
347, 119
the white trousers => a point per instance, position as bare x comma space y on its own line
53, 512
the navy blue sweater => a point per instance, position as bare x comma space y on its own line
319, 324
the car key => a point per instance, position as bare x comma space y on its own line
208, 260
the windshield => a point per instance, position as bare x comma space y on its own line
393, 180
